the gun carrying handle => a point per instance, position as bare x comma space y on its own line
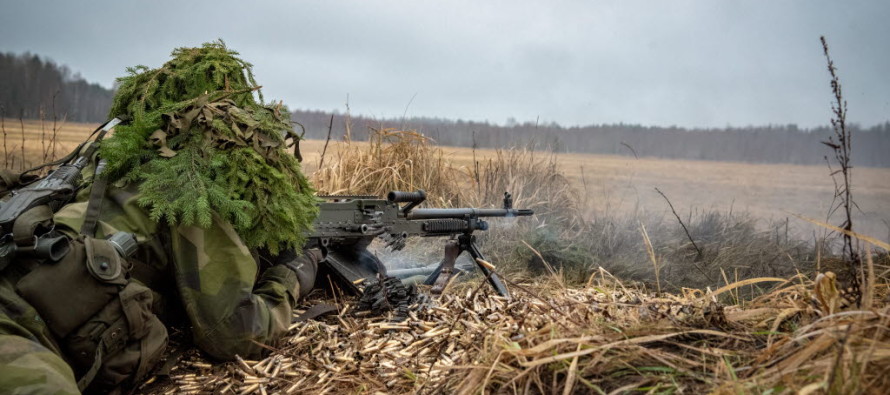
412, 198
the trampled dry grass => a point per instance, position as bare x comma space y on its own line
604, 337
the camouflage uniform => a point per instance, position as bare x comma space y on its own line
209, 274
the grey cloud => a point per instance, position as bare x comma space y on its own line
689, 63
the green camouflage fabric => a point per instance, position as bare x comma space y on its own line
26, 367
231, 308
29, 357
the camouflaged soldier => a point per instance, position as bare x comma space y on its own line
227, 266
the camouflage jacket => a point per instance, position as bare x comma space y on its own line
231, 306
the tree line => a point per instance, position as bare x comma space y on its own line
32, 87
755, 144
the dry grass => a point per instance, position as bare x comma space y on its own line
604, 337
392, 160
26, 143
623, 186
594, 335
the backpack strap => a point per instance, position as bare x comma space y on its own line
94, 206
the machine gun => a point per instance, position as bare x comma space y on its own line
347, 224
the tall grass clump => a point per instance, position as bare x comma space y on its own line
391, 160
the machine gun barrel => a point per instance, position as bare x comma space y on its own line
347, 224
443, 213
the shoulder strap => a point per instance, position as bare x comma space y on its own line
94, 206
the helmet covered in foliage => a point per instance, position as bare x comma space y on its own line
202, 143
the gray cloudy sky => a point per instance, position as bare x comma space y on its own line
686, 63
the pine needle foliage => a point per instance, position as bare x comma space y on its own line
200, 144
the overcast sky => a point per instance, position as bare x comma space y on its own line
686, 63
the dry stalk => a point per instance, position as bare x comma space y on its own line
3, 126
326, 142
651, 252
22, 165
841, 146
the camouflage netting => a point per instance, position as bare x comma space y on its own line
200, 143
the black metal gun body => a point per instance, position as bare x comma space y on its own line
55, 190
347, 224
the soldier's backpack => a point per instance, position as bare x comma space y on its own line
79, 284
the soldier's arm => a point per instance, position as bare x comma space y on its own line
230, 308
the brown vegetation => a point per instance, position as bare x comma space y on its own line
752, 325
603, 337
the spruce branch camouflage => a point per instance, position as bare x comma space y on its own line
202, 177
200, 143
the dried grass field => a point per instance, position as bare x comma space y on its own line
609, 294
770, 192
622, 184
767, 191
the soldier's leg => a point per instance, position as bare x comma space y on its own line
26, 367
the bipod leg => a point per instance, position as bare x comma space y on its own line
446, 268
492, 277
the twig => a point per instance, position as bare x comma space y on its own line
55, 127
842, 153
326, 141
550, 269
700, 255
680, 221
22, 122
43, 150
405, 114
476, 165
347, 123
3, 126
631, 149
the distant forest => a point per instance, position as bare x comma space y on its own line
30, 85
34, 88
756, 144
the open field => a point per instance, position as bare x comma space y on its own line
597, 334
622, 184
767, 191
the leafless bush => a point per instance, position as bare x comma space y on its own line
841, 147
